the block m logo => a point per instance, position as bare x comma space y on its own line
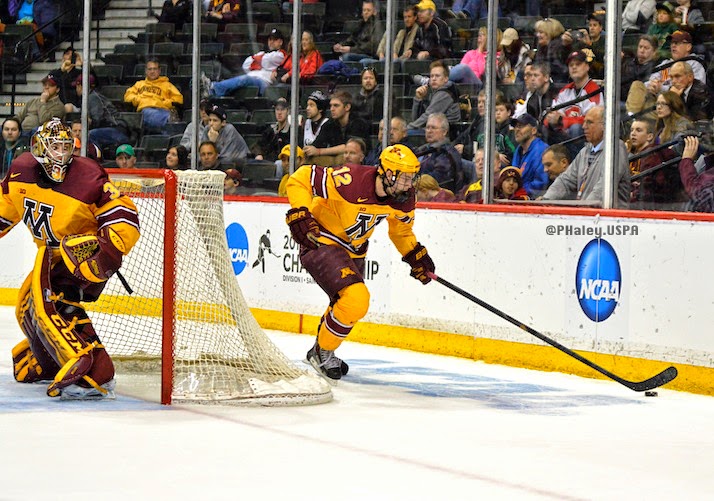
37, 218
364, 224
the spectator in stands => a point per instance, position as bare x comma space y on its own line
39, 110
276, 136
513, 56
315, 113
67, 73
637, 15
472, 66
473, 193
428, 190
93, 151
336, 131
45, 13
549, 48
582, 180
555, 160
433, 37
643, 95
639, 66
355, 150
177, 158
176, 12
363, 43
663, 186
596, 32
540, 92
155, 97
671, 117
509, 185
228, 141
125, 157
310, 61
208, 153
222, 11
368, 104
471, 9
699, 187
105, 126
695, 95
528, 155
505, 138
569, 120
405, 37
187, 137
687, 13
397, 135
12, 146
440, 96
444, 162
285, 167
663, 27
259, 69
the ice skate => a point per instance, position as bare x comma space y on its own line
75, 392
326, 363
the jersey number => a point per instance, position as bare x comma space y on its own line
342, 176
113, 191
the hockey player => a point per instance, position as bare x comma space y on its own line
334, 212
82, 226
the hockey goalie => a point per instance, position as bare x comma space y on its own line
83, 226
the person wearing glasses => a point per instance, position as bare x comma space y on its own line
154, 97
671, 117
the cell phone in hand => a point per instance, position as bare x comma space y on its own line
74, 57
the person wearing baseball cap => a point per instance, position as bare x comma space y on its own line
230, 144
125, 157
284, 162
276, 136
259, 70
527, 156
364, 41
433, 39
48, 104
106, 128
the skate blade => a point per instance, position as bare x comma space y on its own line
315, 365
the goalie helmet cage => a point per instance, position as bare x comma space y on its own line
187, 314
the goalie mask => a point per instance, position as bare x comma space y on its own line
52, 146
399, 170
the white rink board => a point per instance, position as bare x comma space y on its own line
505, 259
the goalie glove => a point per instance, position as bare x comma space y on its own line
418, 258
92, 258
303, 227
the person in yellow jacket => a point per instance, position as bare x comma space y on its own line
154, 97
334, 212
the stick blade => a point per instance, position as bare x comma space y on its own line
660, 379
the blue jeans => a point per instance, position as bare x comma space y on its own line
155, 118
105, 136
462, 73
354, 57
227, 86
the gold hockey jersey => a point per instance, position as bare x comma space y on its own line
344, 202
84, 203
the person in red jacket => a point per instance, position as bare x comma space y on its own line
310, 61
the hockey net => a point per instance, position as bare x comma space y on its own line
187, 317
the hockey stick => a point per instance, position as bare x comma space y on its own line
660, 379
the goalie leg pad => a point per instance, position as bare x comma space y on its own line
26, 367
351, 307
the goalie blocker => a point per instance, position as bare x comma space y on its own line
62, 345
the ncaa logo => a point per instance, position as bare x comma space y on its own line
237, 247
597, 280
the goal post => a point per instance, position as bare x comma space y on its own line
187, 319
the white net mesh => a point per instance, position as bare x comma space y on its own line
220, 353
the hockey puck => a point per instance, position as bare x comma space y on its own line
650, 393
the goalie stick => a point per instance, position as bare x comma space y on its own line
660, 379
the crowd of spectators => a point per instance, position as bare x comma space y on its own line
548, 108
